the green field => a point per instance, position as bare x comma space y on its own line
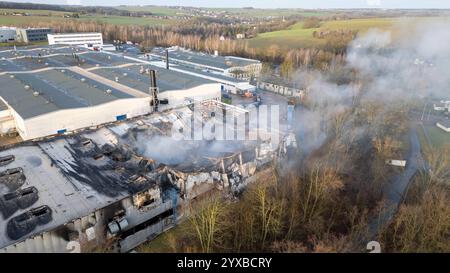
172, 11
10, 20
271, 12
155, 10
296, 36
37, 12
437, 136
124, 20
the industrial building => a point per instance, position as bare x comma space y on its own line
444, 125
8, 34
231, 66
103, 167
115, 184
442, 106
77, 88
86, 39
228, 84
28, 35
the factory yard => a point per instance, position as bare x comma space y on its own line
89, 158
131, 173
201, 130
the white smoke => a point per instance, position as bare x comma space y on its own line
412, 64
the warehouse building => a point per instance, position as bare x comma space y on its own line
8, 34
232, 66
228, 84
56, 90
100, 187
444, 125
28, 35
86, 39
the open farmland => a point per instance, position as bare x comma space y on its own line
44, 16
271, 12
125, 20
437, 137
155, 10
296, 36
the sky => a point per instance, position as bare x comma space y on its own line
307, 4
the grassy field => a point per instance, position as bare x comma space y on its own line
10, 20
272, 12
36, 12
156, 10
124, 20
171, 11
296, 36
437, 136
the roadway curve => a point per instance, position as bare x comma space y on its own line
398, 186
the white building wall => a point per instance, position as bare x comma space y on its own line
73, 119
77, 118
48, 242
447, 129
199, 93
6, 122
82, 39
7, 34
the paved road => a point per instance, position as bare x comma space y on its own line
396, 189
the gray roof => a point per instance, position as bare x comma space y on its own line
65, 90
217, 76
73, 181
54, 190
3, 106
444, 122
69, 180
221, 62
166, 79
57, 90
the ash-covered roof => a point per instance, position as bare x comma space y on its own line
70, 177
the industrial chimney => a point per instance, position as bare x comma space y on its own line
167, 59
154, 89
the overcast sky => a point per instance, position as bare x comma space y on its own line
414, 4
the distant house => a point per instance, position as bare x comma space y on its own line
442, 106
444, 125
7, 34
27, 35
240, 36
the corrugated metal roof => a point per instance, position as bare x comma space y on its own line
222, 62
166, 79
65, 90
56, 91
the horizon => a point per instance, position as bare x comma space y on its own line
262, 4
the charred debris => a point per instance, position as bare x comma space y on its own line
141, 192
